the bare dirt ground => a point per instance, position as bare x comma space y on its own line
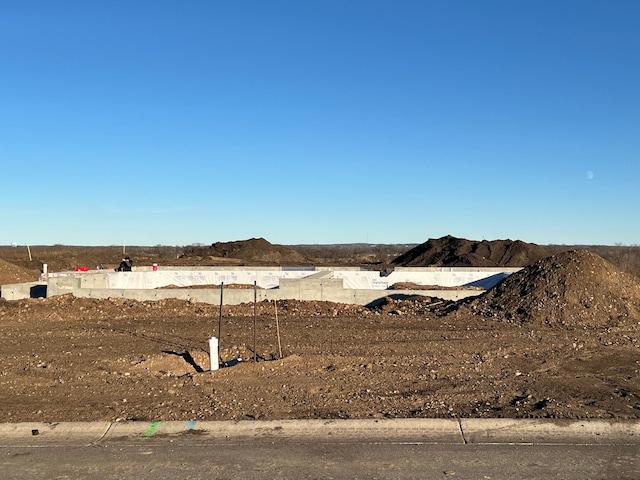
559, 339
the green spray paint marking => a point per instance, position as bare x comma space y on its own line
152, 428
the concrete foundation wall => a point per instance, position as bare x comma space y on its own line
317, 287
322, 284
192, 278
63, 285
236, 297
19, 291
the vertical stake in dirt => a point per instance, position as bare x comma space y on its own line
275, 304
220, 318
255, 315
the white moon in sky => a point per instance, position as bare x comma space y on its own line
589, 175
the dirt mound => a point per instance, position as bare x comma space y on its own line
417, 305
80, 309
254, 250
575, 288
10, 273
458, 252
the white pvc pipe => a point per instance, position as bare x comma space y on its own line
213, 353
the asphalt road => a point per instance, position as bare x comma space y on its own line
390, 449
181, 459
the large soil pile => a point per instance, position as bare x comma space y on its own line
458, 252
250, 252
575, 288
10, 273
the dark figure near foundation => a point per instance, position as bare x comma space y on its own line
125, 265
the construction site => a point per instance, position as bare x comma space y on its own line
556, 337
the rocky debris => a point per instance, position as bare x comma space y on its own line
458, 252
416, 305
575, 288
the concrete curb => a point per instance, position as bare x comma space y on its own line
543, 431
418, 430
32, 434
443, 431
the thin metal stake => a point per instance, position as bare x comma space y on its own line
275, 304
220, 319
255, 316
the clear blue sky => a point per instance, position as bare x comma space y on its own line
319, 121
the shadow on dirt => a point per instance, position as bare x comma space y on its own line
382, 300
187, 358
